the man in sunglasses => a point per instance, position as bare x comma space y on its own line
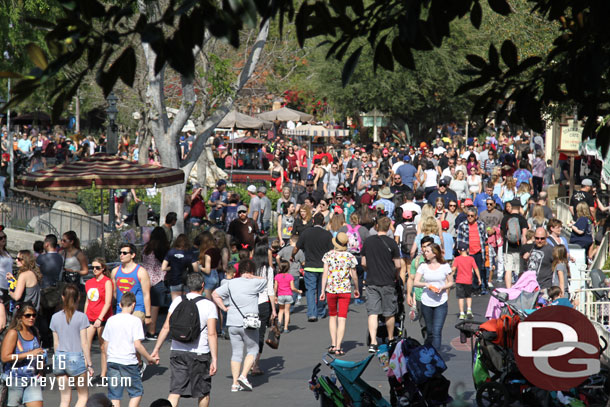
491, 216
243, 229
472, 233
540, 259
309, 192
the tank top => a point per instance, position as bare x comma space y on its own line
25, 367
32, 295
153, 267
6, 265
129, 282
71, 263
96, 294
430, 178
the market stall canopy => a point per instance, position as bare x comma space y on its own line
314, 130
25, 118
107, 172
247, 140
589, 148
236, 120
285, 114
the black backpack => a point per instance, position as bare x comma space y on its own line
184, 323
409, 233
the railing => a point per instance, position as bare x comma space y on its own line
43, 220
595, 309
563, 212
602, 253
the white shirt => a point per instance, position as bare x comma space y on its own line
270, 290
397, 165
447, 173
439, 150
290, 125
121, 331
436, 278
207, 310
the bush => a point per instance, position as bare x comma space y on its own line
89, 200
112, 243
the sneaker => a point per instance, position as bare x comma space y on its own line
469, 315
142, 368
151, 337
462, 316
244, 383
312, 319
235, 388
490, 284
373, 348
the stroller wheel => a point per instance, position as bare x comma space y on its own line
492, 394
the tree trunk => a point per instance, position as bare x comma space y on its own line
172, 200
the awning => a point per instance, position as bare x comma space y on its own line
285, 114
236, 120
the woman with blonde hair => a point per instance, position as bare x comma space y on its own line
537, 220
509, 190
28, 279
582, 229
523, 193
72, 357
429, 227
427, 211
337, 221
497, 181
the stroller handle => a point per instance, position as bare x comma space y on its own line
469, 326
326, 357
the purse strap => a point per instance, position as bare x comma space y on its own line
233, 301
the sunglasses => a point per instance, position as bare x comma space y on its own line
454, 205
471, 216
309, 185
19, 258
540, 238
29, 315
98, 268
122, 253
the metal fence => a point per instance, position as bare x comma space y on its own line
563, 212
43, 220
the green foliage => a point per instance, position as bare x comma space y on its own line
112, 242
89, 200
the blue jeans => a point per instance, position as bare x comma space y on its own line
435, 319
313, 285
478, 259
2, 192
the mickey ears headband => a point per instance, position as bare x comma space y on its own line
245, 246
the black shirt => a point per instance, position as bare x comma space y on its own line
511, 247
540, 260
581, 196
380, 252
315, 243
317, 196
50, 265
244, 233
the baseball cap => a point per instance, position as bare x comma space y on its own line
407, 215
262, 189
221, 182
407, 158
462, 246
468, 202
515, 202
242, 208
252, 189
586, 182
443, 182
445, 225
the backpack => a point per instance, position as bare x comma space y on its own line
513, 230
184, 323
409, 233
354, 241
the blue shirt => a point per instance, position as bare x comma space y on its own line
407, 173
448, 245
480, 202
387, 205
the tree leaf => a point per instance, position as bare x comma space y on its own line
494, 58
402, 54
509, 54
476, 61
127, 68
476, 15
37, 56
500, 7
383, 56
350, 65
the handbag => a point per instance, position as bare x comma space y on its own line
273, 337
251, 320
50, 297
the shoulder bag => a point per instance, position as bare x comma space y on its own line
251, 320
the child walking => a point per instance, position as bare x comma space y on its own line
123, 337
448, 243
284, 287
463, 266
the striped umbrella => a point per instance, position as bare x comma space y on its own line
103, 171
107, 172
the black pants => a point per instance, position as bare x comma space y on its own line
537, 182
478, 259
264, 314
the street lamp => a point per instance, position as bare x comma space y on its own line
112, 112
374, 119
112, 146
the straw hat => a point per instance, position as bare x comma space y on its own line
340, 241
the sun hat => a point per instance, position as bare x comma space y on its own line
340, 241
386, 193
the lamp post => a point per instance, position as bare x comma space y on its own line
111, 147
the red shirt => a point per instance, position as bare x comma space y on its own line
465, 265
96, 294
198, 208
474, 239
302, 154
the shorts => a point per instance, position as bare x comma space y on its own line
463, 290
101, 325
211, 281
18, 395
303, 173
176, 288
190, 374
381, 300
157, 294
140, 315
512, 262
338, 304
285, 299
69, 363
119, 199
115, 384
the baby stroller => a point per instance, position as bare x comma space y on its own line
415, 374
399, 318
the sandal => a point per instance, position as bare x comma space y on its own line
339, 352
331, 349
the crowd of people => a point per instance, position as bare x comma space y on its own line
369, 224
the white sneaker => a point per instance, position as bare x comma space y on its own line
462, 315
244, 383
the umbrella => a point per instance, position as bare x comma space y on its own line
247, 140
107, 172
236, 120
285, 114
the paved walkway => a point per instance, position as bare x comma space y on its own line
289, 368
